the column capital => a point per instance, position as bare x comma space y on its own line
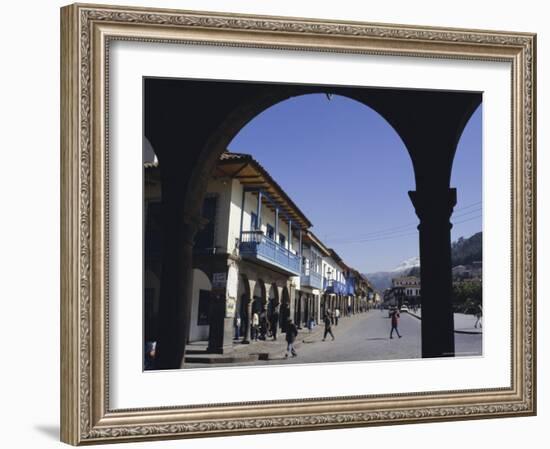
430, 204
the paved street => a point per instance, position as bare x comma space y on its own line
358, 338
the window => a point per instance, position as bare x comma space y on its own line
270, 232
282, 240
204, 240
253, 221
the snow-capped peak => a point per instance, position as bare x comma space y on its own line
407, 264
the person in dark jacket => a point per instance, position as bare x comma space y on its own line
328, 327
291, 334
394, 322
263, 325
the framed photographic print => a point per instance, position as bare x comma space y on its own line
282, 224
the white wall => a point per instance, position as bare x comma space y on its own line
251, 206
336, 271
30, 237
314, 259
222, 190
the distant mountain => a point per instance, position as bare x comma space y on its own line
381, 280
467, 250
407, 264
464, 251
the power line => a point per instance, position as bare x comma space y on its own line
406, 226
469, 219
400, 235
395, 231
379, 238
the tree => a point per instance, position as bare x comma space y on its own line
467, 297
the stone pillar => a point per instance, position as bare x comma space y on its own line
434, 207
292, 299
176, 285
222, 316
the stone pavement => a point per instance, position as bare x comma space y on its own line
268, 349
362, 337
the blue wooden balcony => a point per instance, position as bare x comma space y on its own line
350, 286
256, 246
336, 287
311, 279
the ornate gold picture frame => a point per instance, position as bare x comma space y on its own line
87, 32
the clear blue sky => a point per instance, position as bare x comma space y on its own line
349, 172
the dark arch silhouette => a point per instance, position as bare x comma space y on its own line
190, 123
261, 299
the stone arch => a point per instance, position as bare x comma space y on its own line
272, 298
248, 110
244, 297
428, 122
285, 309
259, 296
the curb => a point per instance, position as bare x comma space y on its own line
456, 331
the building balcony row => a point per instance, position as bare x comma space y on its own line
311, 279
334, 286
256, 246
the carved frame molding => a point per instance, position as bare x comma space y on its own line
86, 33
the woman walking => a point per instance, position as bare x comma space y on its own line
394, 322
291, 334
328, 327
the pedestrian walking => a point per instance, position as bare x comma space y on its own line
336, 316
263, 325
310, 323
479, 314
328, 327
254, 326
395, 322
291, 334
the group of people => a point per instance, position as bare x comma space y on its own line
261, 326
333, 315
292, 331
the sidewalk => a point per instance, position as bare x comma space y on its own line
464, 324
268, 349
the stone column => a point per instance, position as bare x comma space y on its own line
292, 299
222, 312
176, 286
434, 207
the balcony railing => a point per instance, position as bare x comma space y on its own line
333, 286
350, 286
311, 279
255, 245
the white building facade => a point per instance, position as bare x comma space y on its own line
255, 257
